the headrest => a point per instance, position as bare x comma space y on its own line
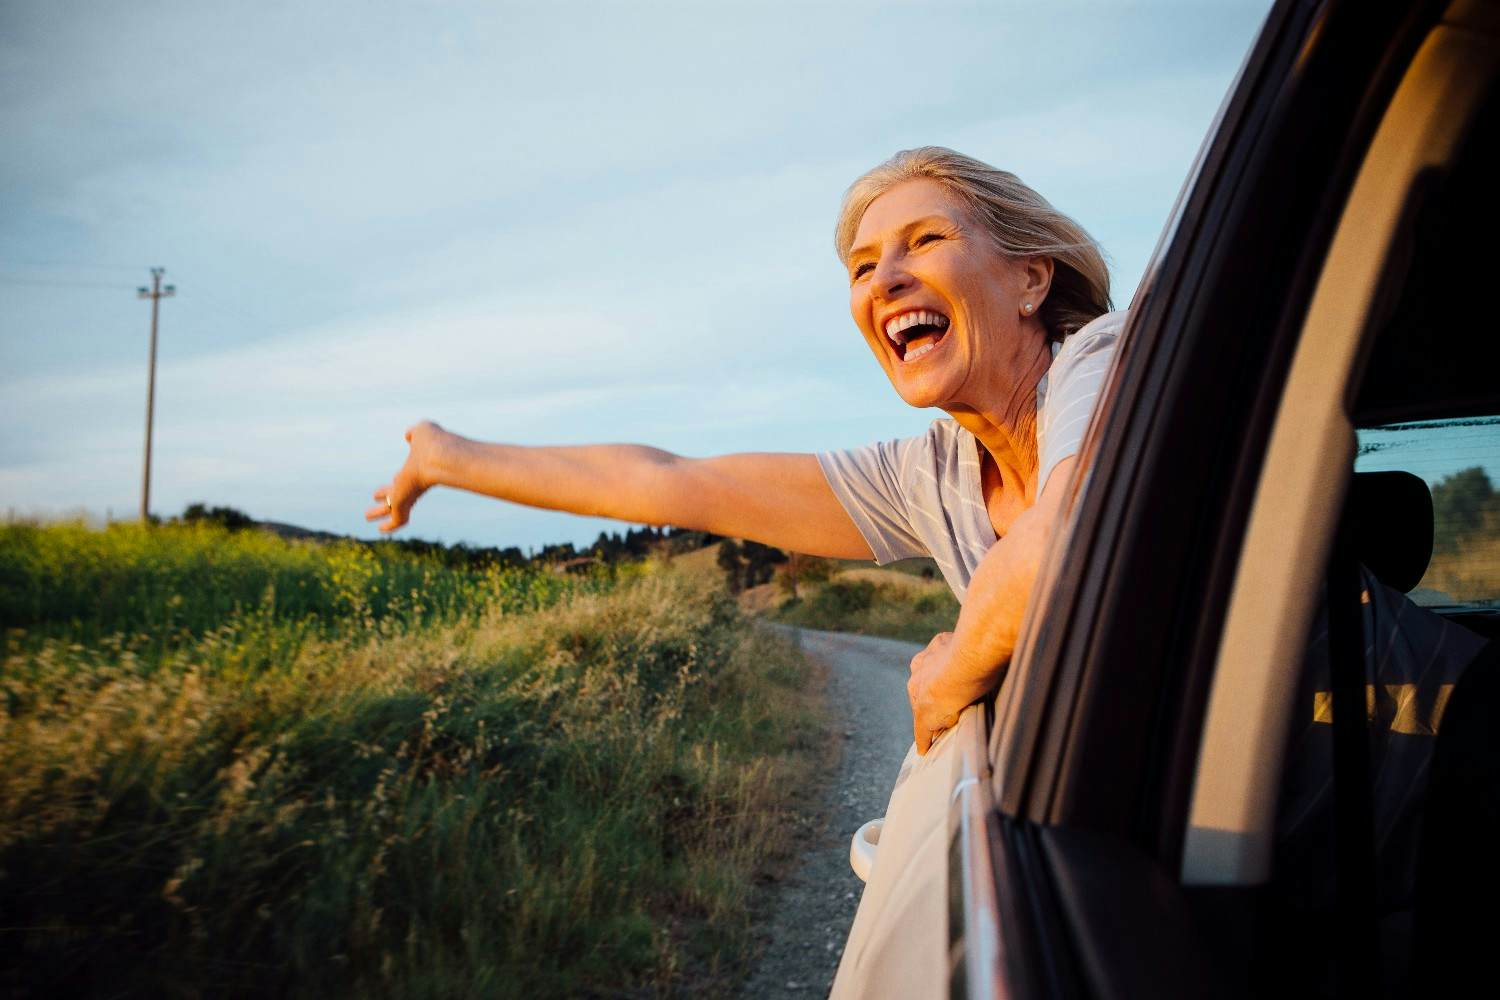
1389, 520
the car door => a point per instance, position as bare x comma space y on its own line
1103, 827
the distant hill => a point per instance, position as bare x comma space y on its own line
293, 531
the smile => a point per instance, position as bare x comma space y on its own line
916, 332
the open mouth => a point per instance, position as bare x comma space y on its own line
916, 332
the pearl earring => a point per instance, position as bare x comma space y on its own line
1027, 307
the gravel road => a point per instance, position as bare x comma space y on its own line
804, 935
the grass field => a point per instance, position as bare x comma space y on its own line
873, 601
1470, 573
236, 765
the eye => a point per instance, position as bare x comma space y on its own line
863, 269
927, 238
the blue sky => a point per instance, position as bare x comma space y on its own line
539, 223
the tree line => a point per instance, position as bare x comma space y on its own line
1464, 505
609, 548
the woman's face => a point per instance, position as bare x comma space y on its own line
942, 309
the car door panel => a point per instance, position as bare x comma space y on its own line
1129, 925
898, 944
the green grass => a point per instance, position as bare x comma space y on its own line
69, 580
874, 602
539, 787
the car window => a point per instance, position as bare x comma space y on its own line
1419, 632
1460, 462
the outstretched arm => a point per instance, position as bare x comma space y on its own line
777, 499
958, 668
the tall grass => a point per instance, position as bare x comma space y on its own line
344, 797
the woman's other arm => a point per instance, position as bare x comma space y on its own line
958, 668
777, 499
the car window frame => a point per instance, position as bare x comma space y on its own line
1078, 627
1313, 447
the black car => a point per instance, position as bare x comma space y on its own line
1111, 823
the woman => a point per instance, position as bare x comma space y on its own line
976, 297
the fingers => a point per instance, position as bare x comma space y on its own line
395, 504
920, 734
928, 721
382, 507
385, 508
380, 510
925, 728
376, 513
925, 737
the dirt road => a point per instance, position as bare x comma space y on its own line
804, 935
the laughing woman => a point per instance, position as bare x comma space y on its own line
977, 298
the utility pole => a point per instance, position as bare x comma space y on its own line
155, 293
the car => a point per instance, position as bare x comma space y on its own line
1107, 823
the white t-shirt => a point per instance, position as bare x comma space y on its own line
922, 496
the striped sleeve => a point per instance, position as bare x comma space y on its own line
1073, 385
868, 482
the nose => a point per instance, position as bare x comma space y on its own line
889, 279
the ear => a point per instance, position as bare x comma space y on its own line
1038, 280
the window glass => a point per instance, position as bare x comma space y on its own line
1460, 462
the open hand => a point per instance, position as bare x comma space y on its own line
395, 499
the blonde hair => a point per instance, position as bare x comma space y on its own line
1019, 221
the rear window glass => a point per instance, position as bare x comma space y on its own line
1460, 462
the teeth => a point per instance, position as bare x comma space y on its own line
917, 352
899, 324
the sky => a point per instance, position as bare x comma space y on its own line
534, 223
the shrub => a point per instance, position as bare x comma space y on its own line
900, 610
